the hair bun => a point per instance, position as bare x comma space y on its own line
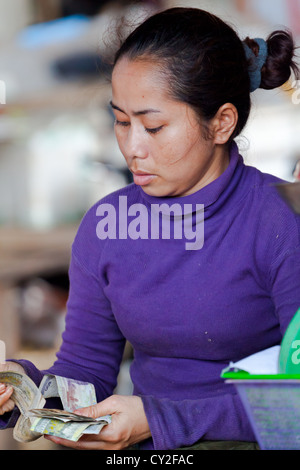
280, 61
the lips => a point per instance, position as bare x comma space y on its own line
142, 178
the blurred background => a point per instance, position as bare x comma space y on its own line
58, 154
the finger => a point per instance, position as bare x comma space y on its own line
90, 411
5, 394
8, 406
84, 443
94, 411
108, 406
60, 441
81, 444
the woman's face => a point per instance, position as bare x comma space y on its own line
160, 138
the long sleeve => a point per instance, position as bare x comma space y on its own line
187, 314
285, 281
175, 424
92, 344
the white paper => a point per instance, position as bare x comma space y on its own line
2, 352
263, 362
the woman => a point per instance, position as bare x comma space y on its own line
181, 88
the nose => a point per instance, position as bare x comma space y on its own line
135, 145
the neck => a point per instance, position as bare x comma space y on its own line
216, 165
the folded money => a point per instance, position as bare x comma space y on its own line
65, 416
65, 423
72, 430
35, 420
73, 393
26, 395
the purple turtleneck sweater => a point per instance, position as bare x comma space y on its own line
187, 313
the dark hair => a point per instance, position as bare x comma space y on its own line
204, 59
280, 63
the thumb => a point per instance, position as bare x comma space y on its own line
95, 411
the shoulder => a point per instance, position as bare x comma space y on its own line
89, 220
131, 191
276, 226
266, 196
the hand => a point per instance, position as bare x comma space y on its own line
6, 403
129, 425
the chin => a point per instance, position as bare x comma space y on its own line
159, 192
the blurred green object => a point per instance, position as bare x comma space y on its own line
289, 357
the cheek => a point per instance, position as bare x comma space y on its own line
180, 149
173, 157
169, 149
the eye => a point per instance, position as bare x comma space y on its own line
154, 130
122, 123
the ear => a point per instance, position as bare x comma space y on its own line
224, 123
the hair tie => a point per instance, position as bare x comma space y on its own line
256, 63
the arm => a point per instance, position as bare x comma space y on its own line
91, 351
175, 424
92, 345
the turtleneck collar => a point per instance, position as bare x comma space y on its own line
213, 195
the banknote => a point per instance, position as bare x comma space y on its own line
64, 423
22, 431
73, 393
48, 386
70, 430
63, 415
36, 420
26, 396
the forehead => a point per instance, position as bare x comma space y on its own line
139, 79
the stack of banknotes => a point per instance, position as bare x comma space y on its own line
36, 420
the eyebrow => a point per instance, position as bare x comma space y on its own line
135, 113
